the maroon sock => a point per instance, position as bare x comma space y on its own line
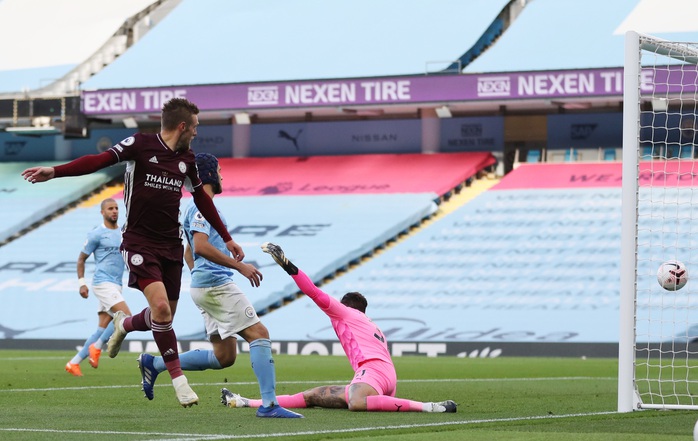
166, 340
138, 322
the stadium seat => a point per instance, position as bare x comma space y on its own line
609, 154
686, 151
533, 156
647, 152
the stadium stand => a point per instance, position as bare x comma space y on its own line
336, 228
24, 204
532, 261
322, 210
353, 174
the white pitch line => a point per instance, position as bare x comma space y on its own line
30, 358
343, 381
204, 437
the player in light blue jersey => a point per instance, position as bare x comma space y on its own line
225, 308
103, 242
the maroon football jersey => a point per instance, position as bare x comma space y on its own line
153, 184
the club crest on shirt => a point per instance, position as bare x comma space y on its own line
136, 259
182, 167
249, 312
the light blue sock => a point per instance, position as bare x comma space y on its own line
264, 370
197, 360
108, 331
85, 351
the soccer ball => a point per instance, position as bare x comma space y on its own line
672, 275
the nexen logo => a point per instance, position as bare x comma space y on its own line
582, 131
494, 86
260, 95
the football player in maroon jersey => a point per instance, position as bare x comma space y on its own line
157, 167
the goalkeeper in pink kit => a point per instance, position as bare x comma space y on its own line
375, 380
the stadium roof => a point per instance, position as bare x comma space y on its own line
44, 39
233, 41
229, 41
565, 34
209, 44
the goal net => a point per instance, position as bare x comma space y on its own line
658, 344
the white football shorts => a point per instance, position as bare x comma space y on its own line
108, 294
225, 309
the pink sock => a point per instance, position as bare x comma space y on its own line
384, 403
292, 401
289, 401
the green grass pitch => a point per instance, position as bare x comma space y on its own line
499, 399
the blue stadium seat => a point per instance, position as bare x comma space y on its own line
533, 156
48, 277
609, 154
686, 151
646, 152
431, 281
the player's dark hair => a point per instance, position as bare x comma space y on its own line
355, 300
178, 110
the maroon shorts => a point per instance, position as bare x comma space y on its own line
164, 265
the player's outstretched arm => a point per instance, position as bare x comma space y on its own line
38, 174
278, 255
329, 305
77, 167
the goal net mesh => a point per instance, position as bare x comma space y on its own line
666, 322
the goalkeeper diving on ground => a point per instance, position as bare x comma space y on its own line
375, 381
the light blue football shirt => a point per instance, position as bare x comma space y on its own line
206, 274
104, 244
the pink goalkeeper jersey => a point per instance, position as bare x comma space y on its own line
361, 339
153, 185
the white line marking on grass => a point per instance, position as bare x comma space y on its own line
487, 380
203, 436
343, 381
401, 426
31, 358
106, 432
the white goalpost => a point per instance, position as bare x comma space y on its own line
658, 341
